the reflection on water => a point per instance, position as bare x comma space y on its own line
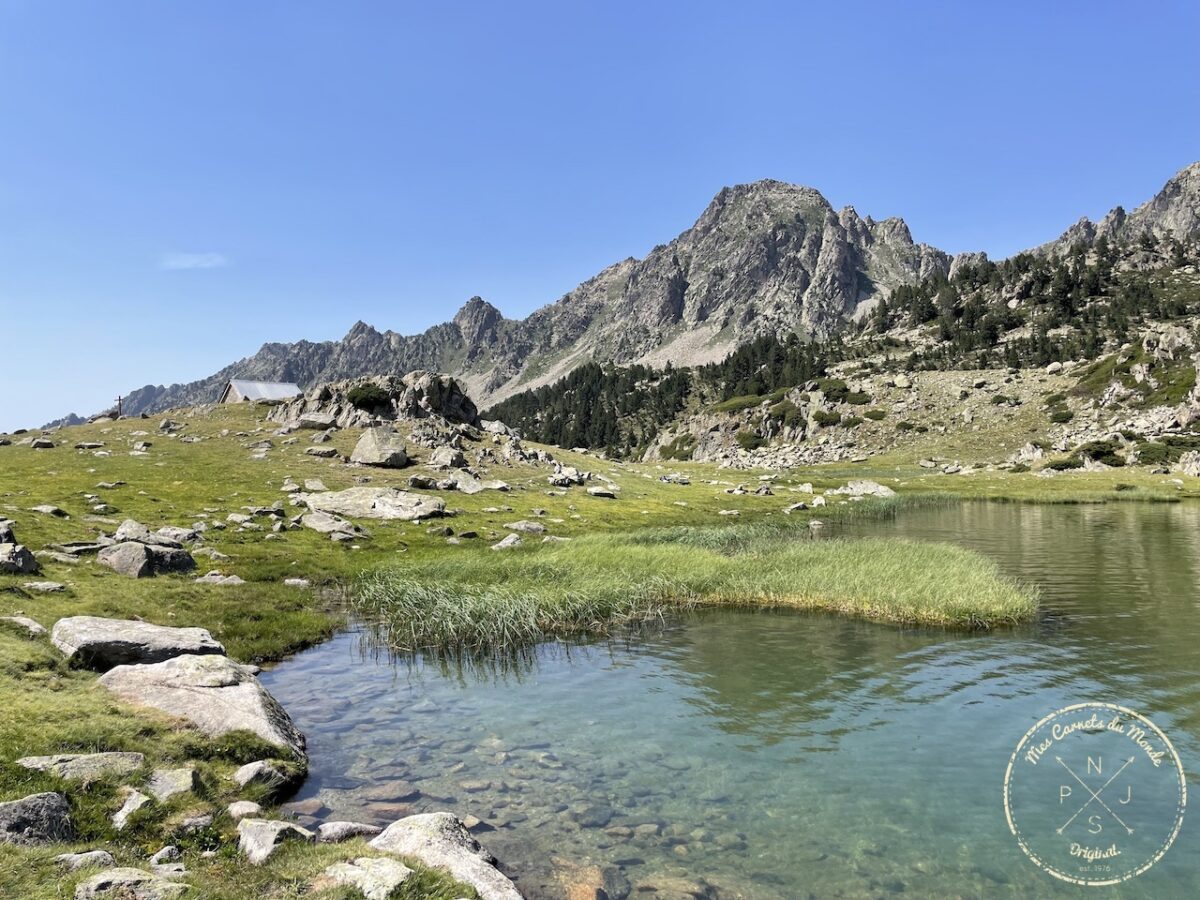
771, 754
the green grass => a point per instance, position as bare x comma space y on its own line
484, 603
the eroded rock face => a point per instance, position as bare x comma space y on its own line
35, 820
381, 446
214, 693
441, 841
377, 503
100, 644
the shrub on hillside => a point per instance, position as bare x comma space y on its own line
368, 396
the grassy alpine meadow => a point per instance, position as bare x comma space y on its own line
662, 547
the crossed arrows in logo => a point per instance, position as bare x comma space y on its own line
1095, 795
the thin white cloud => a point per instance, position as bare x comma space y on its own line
193, 261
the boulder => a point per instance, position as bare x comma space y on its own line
322, 452
276, 778
337, 831
100, 644
448, 458
374, 877
84, 767
1189, 464
92, 858
134, 800
527, 527
318, 421
428, 394
508, 543
329, 524
604, 492
6, 532
243, 809
45, 587
214, 693
865, 488
166, 783
131, 530
381, 446
15, 559
377, 503
441, 841
126, 883
36, 819
259, 838
138, 560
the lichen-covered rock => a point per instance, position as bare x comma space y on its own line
374, 877
259, 838
99, 643
441, 841
36, 819
128, 884
84, 767
214, 693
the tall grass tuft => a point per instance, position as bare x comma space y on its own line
480, 601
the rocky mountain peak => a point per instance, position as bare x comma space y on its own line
477, 319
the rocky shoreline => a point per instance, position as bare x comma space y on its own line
185, 673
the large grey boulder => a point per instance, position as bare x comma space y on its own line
214, 693
36, 819
427, 394
15, 559
126, 883
326, 523
448, 458
100, 644
441, 841
377, 503
865, 488
137, 560
381, 446
259, 838
85, 767
375, 877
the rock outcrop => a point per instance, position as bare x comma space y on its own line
35, 820
213, 693
376, 503
441, 841
99, 643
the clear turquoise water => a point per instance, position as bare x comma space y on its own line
775, 754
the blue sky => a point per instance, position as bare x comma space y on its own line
180, 182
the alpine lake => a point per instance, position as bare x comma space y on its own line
776, 754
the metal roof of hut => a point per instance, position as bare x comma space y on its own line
238, 390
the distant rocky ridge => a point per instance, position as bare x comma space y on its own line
763, 258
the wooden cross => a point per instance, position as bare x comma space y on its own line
119, 399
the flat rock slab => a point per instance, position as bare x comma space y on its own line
44, 587
134, 800
32, 627
214, 693
99, 643
85, 767
441, 841
35, 820
166, 783
375, 877
259, 838
377, 503
92, 858
128, 884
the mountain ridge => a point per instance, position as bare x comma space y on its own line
766, 257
